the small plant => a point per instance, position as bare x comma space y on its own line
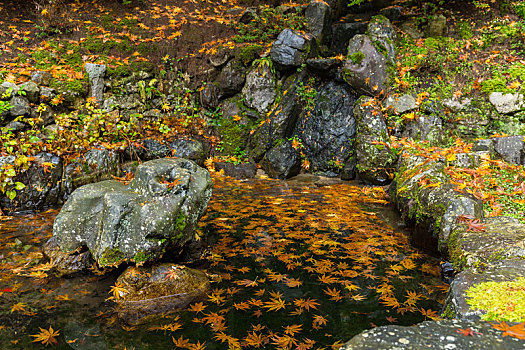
357, 57
307, 94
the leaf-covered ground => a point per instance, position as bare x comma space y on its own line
296, 266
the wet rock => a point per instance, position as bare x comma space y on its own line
375, 160
319, 20
328, 132
291, 49
324, 67
281, 122
343, 32
400, 104
64, 263
15, 126
437, 26
282, 161
500, 271
96, 165
20, 106
433, 210
209, 96
159, 290
436, 335
148, 150
383, 34
238, 171
42, 181
511, 149
260, 89
486, 145
157, 211
32, 91
189, 149
231, 79
96, 73
499, 238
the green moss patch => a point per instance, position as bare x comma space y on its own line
503, 301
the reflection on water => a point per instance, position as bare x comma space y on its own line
296, 266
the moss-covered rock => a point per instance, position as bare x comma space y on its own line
166, 288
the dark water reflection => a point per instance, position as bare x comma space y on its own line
296, 265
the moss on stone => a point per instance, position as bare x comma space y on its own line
448, 313
357, 57
140, 257
249, 53
180, 224
502, 301
111, 257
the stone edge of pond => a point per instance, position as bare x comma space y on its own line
492, 251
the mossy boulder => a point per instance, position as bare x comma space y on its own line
499, 238
157, 211
159, 289
375, 159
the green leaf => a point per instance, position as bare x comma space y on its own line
11, 194
19, 186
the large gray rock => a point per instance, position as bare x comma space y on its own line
260, 89
319, 20
456, 304
231, 79
499, 238
437, 335
511, 149
32, 91
157, 211
96, 165
328, 132
96, 73
291, 49
149, 149
42, 181
375, 160
282, 161
20, 106
190, 149
370, 58
507, 103
281, 122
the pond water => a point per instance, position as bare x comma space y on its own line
297, 265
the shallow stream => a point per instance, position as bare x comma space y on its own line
303, 264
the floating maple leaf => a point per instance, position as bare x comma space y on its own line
46, 336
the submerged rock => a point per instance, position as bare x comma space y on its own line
158, 290
157, 211
64, 263
436, 335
